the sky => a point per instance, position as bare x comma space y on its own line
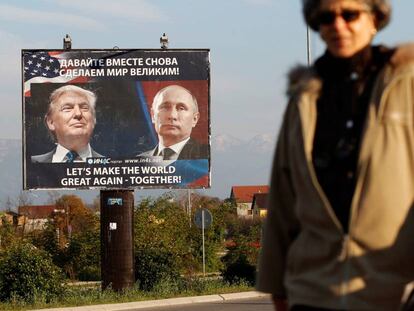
253, 44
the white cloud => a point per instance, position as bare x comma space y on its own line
17, 14
135, 10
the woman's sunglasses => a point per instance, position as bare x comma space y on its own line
328, 17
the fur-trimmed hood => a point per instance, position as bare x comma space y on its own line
404, 54
305, 79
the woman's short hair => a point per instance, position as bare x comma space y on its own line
380, 8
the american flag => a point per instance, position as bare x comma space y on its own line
40, 64
42, 67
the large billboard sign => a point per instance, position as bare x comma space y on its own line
116, 119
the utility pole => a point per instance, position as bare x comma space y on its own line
308, 45
189, 205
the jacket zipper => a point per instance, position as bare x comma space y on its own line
343, 254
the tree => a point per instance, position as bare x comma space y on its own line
53, 196
9, 204
241, 259
28, 273
73, 239
7, 234
161, 239
214, 235
84, 253
75, 217
23, 199
238, 266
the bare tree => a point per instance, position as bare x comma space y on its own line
53, 196
23, 199
9, 204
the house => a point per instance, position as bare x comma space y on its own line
243, 197
259, 205
36, 216
12, 218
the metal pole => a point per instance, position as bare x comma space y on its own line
189, 205
68, 225
308, 45
204, 253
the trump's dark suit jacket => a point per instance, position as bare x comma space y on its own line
47, 157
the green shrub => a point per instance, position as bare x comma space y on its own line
239, 271
154, 266
83, 255
167, 286
89, 273
240, 263
28, 273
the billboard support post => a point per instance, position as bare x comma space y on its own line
117, 243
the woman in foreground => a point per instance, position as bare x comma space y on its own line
339, 233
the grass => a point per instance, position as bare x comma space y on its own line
167, 288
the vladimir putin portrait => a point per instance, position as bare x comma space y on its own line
70, 120
175, 113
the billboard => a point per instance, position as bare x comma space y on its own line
116, 119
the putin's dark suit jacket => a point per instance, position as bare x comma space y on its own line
192, 150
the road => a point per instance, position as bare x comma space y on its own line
251, 304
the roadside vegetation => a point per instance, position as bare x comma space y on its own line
36, 268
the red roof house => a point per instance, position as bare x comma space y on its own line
259, 205
36, 216
243, 196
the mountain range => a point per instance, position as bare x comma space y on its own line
235, 161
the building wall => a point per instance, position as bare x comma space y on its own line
244, 210
259, 212
35, 224
263, 212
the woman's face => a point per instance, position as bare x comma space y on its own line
346, 26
